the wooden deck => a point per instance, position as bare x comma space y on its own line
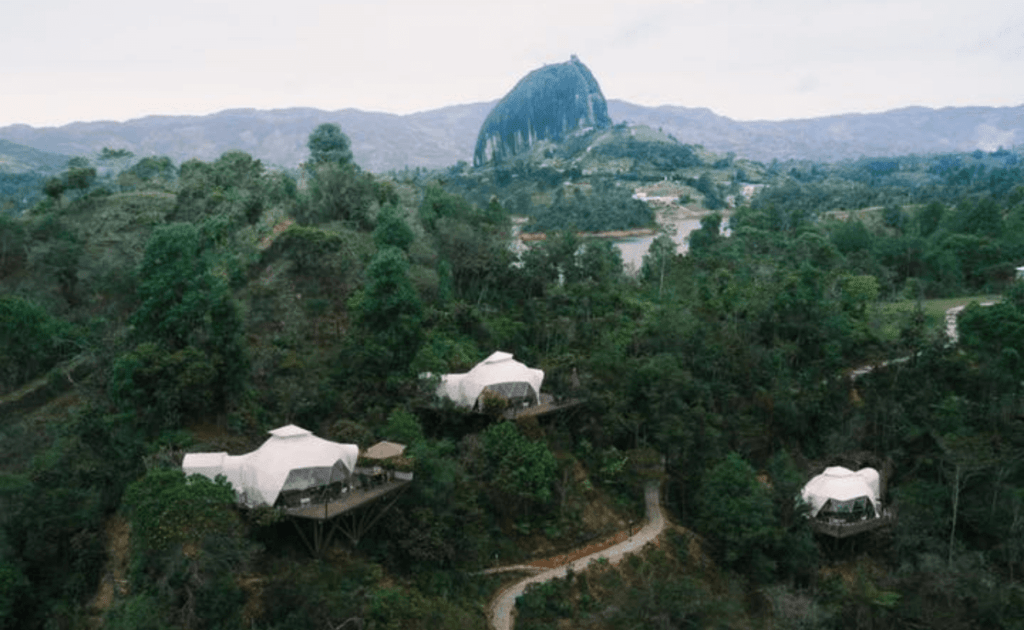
351, 500
838, 529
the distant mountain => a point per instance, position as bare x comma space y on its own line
23, 172
380, 142
546, 104
18, 158
833, 138
442, 137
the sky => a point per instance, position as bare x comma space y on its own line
67, 60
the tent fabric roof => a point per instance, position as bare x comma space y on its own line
500, 367
384, 450
842, 484
291, 459
289, 430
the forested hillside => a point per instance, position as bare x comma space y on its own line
153, 308
23, 171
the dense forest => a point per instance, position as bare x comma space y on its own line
162, 309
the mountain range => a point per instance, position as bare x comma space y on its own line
442, 137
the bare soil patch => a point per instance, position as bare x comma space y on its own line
114, 583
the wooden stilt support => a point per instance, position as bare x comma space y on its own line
312, 549
354, 522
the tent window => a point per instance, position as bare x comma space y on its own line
314, 484
856, 509
518, 394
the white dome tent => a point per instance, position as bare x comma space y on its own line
498, 374
840, 494
292, 459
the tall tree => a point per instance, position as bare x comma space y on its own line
187, 324
328, 145
390, 313
737, 514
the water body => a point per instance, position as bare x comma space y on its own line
677, 223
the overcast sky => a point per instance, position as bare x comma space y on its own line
71, 60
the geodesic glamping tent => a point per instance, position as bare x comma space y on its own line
499, 374
842, 493
291, 459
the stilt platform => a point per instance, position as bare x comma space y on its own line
840, 529
353, 513
542, 409
351, 500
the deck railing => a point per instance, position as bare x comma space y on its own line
351, 497
842, 529
544, 407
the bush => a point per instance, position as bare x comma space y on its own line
31, 341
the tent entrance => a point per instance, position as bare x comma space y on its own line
319, 484
857, 509
516, 394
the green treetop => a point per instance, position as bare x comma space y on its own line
327, 144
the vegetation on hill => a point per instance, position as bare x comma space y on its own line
607, 207
22, 173
587, 181
923, 226
17, 158
159, 308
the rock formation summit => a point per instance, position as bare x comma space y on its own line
546, 104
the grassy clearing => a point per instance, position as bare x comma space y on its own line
889, 317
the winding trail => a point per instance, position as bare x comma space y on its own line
952, 338
502, 607
500, 611
951, 317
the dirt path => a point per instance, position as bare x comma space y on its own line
951, 316
114, 583
503, 605
952, 337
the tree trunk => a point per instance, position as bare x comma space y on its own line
956, 505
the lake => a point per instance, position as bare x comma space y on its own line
677, 223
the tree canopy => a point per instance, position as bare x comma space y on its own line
163, 310
328, 145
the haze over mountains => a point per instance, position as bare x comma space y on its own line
442, 137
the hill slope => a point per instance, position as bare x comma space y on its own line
17, 158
